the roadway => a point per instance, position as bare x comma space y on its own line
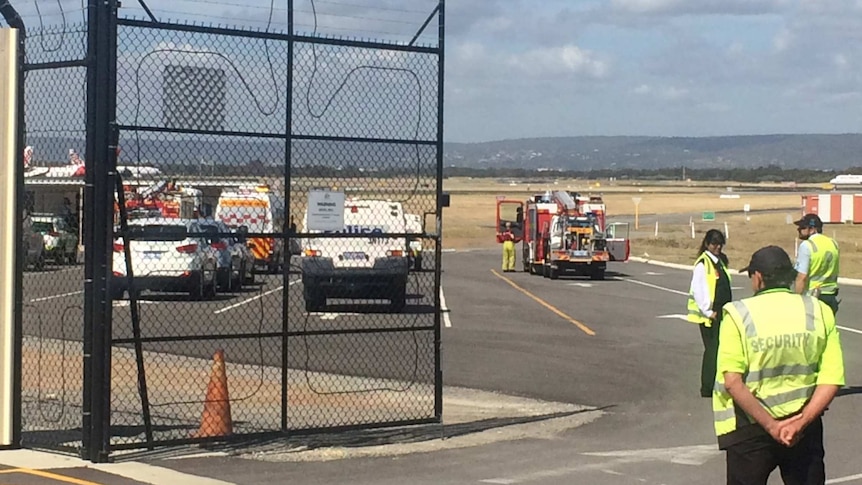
620, 345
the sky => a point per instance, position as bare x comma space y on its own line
530, 68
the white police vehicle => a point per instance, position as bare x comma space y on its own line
370, 268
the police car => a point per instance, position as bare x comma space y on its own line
371, 267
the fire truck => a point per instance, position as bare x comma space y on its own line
564, 232
163, 199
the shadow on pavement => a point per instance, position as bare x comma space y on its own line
356, 438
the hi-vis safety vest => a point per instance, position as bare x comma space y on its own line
823, 267
784, 339
694, 313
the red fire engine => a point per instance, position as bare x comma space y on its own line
564, 232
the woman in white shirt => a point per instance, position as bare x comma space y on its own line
710, 290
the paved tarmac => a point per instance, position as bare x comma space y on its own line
619, 346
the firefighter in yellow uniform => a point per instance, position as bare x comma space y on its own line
508, 238
779, 366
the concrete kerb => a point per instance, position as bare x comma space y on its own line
841, 280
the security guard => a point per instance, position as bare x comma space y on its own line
710, 290
779, 366
817, 262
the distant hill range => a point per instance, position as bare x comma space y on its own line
583, 153
577, 154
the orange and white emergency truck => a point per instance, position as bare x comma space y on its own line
260, 211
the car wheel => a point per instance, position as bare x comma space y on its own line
196, 286
248, 273
398, 301
211, 290
223, 278
236, 283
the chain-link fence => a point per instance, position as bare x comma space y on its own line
272, 253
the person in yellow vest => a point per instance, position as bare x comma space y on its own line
780, 364
817, 262
709, 291
509, 239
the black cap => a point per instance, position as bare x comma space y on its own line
810, 220
770, 260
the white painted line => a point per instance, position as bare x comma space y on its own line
848, 329
444, 309
657, 287
582, 285
333, 315
153, 474
208, 454
849, 478
499, 481
258, 297
54, 297
125, 303
674, 316
652, 273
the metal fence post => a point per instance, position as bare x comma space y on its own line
438, 381
101, 108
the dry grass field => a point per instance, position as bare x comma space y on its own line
469, 221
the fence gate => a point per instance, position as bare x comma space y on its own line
259, 212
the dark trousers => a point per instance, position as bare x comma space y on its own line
709, 335
750, 462
832, 301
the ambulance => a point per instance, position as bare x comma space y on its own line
260, 211
371, 267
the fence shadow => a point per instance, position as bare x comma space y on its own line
358, 438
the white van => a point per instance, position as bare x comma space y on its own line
260, 211
373, 267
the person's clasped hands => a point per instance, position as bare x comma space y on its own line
787, 431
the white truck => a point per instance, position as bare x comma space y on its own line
373, 267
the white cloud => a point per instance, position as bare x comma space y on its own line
569, 59
782, 40
701, 7
642, 89
664, 93
840, 61
470, 51
714, 107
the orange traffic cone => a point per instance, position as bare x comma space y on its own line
216, 420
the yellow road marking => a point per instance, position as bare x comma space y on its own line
545, 304
49, 475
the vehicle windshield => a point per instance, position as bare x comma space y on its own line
579, 222
158, 232
42, 227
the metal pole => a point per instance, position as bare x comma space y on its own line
288, 153
99, 204
438, 251
87, 229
